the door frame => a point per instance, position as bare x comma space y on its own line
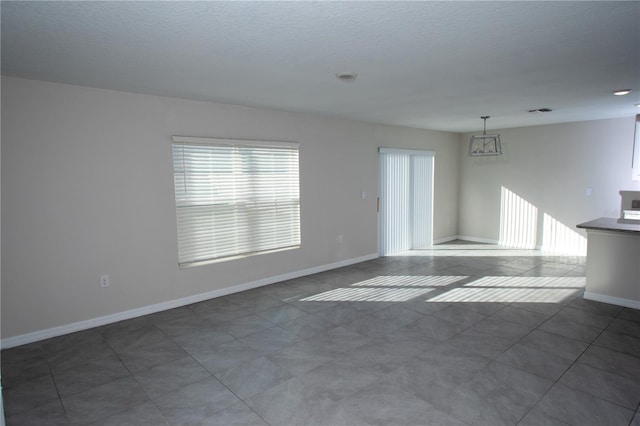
380, 202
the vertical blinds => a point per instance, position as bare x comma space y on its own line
422, 201
395, 203
235, 198
406, 200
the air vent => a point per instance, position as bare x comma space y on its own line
539, 110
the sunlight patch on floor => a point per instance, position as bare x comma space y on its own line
386, 289
410, 281
533, 282
485, 289
505, 295
368, 294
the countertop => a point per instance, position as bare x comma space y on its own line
612, 224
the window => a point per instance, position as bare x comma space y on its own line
234, 198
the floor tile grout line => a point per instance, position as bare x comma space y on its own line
574, 362
187, 354
53, 379
557, 381
133, 376
58, 392
212, 376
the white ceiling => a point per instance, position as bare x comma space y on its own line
435, 65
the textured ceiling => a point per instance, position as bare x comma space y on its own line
435, 65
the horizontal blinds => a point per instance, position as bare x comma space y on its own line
235, 199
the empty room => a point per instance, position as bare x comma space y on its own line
320, 213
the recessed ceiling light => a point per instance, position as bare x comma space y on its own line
622, 92
638, 105
346, 76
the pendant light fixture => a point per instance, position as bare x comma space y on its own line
484, 144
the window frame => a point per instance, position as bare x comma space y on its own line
248, 210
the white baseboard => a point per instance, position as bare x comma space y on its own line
48, 333
627, 303
445, 240
465, 238
476, 240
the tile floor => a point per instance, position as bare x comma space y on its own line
462, 334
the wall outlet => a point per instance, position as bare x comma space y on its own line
105, 281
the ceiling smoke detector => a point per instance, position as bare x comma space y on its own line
346, 76
485, 145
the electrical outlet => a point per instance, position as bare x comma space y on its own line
104, 281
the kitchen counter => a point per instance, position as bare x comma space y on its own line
613, 261
612, 224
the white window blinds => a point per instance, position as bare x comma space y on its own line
235, 198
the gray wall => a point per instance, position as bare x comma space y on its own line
549, 167
87, 189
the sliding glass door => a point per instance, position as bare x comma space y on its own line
405, 200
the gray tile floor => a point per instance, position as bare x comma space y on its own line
462, 334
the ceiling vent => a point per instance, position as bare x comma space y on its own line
485, 145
